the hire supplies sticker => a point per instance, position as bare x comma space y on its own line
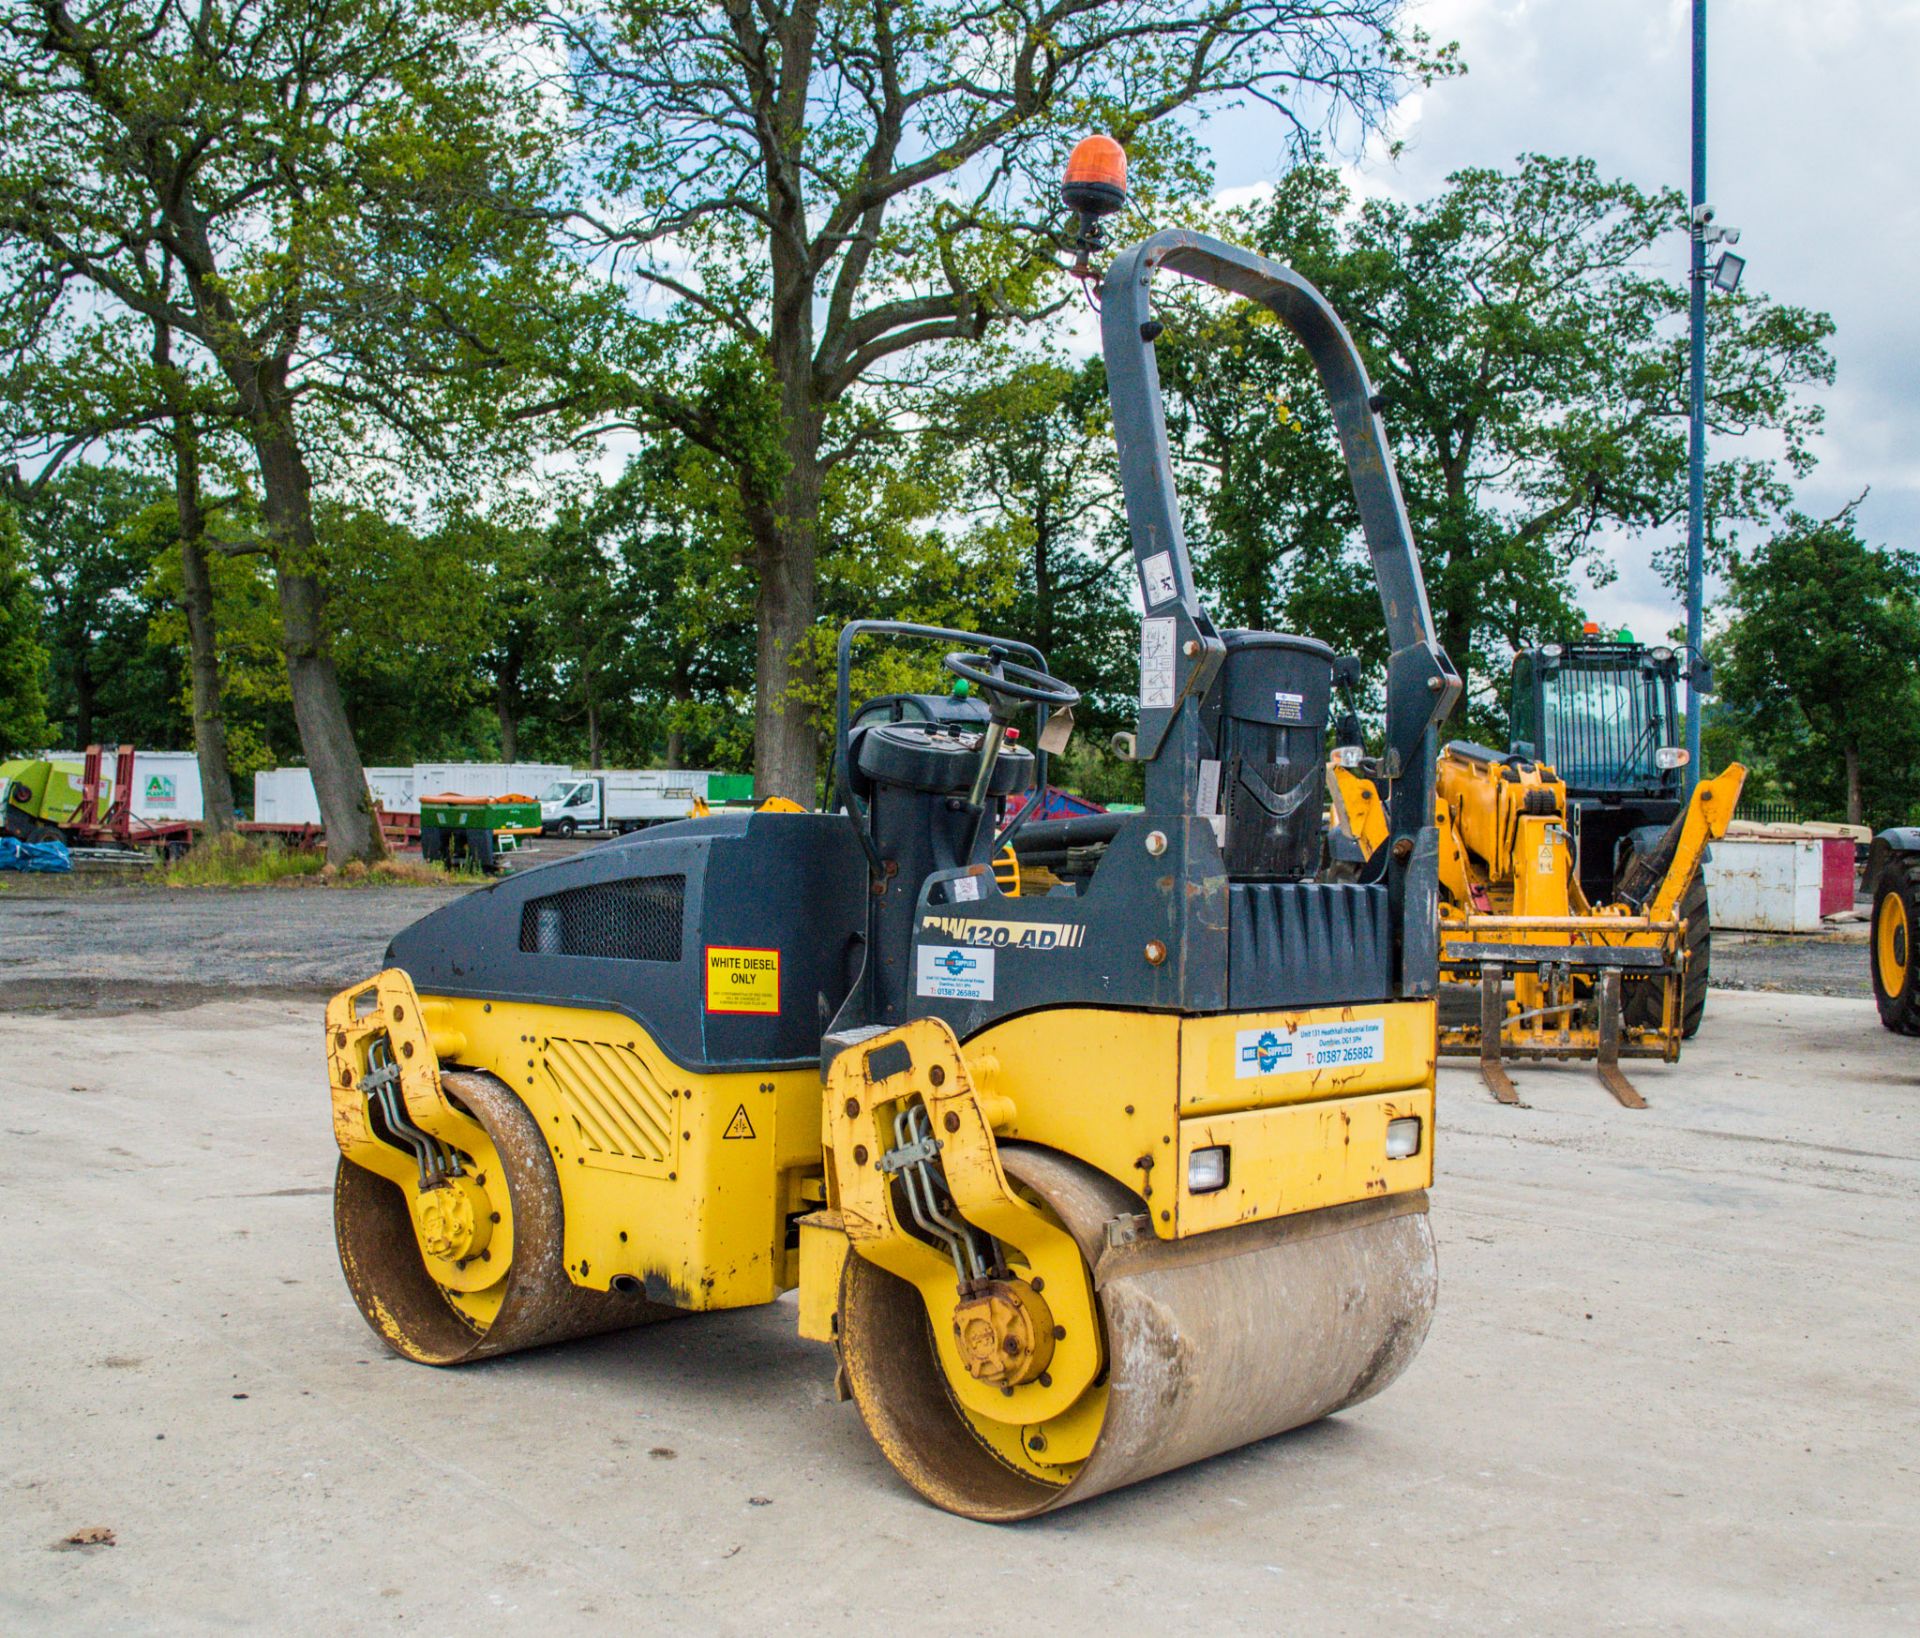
1312, 1046
742, 980
949, 972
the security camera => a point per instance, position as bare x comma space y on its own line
1702, 215
1731, 235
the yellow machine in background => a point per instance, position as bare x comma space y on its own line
1600, 981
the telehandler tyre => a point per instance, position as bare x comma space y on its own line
1640, 998
1896, 961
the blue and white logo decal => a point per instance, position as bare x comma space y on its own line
1282, 1051
950, 973
1265, 1051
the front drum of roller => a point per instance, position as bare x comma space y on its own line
531, 1302
1211, 1343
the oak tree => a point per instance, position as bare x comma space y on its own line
813, 193
346, 210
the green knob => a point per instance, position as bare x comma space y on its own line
961, 688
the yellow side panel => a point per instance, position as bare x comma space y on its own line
1100, 1085
681, 1180
823, 1253
1303, 1156
1228, 1062
1119, 1090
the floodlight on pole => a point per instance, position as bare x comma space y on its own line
1700, 224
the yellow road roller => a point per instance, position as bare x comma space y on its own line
1080, 1182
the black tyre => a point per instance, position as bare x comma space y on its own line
566, 827
44, 833
1896, 961
1640, 998
533, 1302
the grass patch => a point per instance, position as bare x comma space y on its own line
238, 861
241, 861
396, 872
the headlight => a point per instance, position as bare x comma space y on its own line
1551, 651
1662, 655
1403, 1137
1349, 756
1207, 1170
1669, 757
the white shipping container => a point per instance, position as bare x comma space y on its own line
166, 785
648, 795
394, 789
285, 796
528, 779
1765, 884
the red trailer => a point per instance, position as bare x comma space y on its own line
105, 820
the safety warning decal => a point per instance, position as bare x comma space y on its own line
1312, 1046
950, 973
1156, 579
739, 1126
1156, 665
742, 980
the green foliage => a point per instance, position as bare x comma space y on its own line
1533, 374
1821, 668
23, 706
827, 202
666, 543
1033, 445
370, 188
92, 536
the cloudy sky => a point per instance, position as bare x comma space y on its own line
1813, 128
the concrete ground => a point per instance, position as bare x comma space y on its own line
1673, 1385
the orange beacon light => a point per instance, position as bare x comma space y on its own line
1095, 183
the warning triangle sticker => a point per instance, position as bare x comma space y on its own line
739, 1126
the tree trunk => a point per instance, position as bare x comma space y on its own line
785, 536
203, 659
326, 736
83, 694
785, 750
1856, 808
593, 726
509, 722
1043, 598
1456, 637
682, 696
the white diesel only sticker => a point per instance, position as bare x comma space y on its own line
950, 973
1312, 1046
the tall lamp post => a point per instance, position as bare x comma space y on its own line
1724, 275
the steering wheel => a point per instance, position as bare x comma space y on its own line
1015, 682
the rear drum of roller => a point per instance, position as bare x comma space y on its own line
533, 1303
